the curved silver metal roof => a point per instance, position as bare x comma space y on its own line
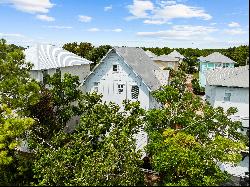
45, 56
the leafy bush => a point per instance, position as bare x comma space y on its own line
197, 89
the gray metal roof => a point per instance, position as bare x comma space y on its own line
165, 58
150, 54
229, 77
176, 54
137, 59
216, 57
45, 56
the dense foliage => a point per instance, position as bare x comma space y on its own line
238, 54
101, 151
187, 137
17, 89
197, 89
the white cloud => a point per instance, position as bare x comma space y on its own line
31, 6
182, 32
139, 8
234, 24
163, 3
59, 27
238, 31
107, 8
45, 18
84, 19
156, 22
213, 23
93, 30
165, 11
12, 35
117, 30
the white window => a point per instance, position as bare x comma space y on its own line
115, 68
135, 92
96, 84
227, 96
225, 65
120, 88
218, 65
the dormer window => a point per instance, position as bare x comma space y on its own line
115, 68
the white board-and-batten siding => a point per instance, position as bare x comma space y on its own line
106, 82
78, 70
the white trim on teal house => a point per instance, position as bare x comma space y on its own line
212, 61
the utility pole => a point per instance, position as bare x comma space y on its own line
247, 60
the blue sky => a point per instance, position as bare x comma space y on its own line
150, 23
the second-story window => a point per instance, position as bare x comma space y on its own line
96, 85
115, 68
227, 96
120, 88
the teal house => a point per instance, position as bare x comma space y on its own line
212, 61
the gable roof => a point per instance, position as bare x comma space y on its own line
166, 58
150, 54
176, 54
137, 59
216, 57
139, 62
229, 77
45, 56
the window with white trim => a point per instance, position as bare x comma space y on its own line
227, 96
120, 88
95, 88
135, 92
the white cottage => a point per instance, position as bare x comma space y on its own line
127, 73
48, 59
229, 87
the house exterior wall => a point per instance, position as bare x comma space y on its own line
108, 82
165, 64
79, 70
239, 99
204, 66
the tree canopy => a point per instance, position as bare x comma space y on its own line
188, 138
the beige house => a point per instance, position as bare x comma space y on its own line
171, 60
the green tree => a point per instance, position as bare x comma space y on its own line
59, 102
197, 138
12, 131
101, 151
197, 89
17, 89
